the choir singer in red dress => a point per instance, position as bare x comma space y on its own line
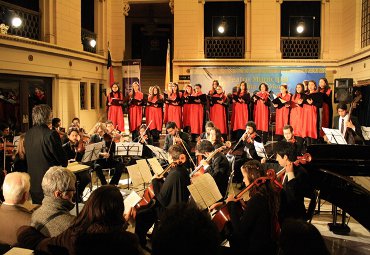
174, 109
217, 114
239, 116
155, 113
261, 110
135, 110
282, 104
115, 102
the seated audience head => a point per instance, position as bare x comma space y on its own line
285, 152
59, 183
175, 152
171, 128
300, 237
204, 146
195, 232
342, 109
16, 188
41, 115
251, 127
288, 132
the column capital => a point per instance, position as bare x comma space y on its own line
171, 4
125, 7
201, 1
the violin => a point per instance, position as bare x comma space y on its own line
301, 160
199, 170
222, 215
250, 137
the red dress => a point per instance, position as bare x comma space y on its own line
218, 113
174, 111
296, 115
115, 113
282, 113
239, 116
310, 115
186, 110
261, 112
135, 111
155, 113
197, 114
327, 110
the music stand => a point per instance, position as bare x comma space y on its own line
334, 136
159, 153
260, 149
366, 132
92, 152
129, 149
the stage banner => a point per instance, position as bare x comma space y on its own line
131, 71
273, 76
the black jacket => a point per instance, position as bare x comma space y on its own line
43, 150
219, 168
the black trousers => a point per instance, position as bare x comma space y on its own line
145, 218
101, 164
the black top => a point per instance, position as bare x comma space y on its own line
169, 140
250, 147
70, 150
219, 168
43, 150
252, 228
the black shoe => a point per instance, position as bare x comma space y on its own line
147, 249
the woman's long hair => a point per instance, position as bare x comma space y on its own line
111, 94
254, 170
103, 211
296, 93
245, 91
21, 151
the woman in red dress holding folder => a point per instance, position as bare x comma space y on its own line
282, 104
174, 109
115, 102
186, 108
155, 113
261, 110
197, 112
135, 110
217, 114
239, 117
327, 107
296, 112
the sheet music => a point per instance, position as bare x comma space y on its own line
130, 201
207, 189
260, 149
197, 197
144, 170
76, 167
334, 136
135, 175
159, 153
19, 251
156, 167
366, 132
129, 149
92, 151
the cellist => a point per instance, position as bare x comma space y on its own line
255, 230
173, 191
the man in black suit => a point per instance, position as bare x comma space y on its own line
343, 124
175, 136
43, 149
218, 166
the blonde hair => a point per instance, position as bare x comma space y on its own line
15, 185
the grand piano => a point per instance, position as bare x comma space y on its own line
330, 170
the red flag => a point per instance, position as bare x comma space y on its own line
110, 69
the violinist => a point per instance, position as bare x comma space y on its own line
6, 138
56, 125
73, 152
296, 182
215, 138
175, 136
112, 131
218, 103
135, 109
249, 151
106, 159
218, 167
289, 137
145, 139
261, 110
255, 229
168, 193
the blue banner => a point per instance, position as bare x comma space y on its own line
273, 76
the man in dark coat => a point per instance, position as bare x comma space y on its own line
43, 149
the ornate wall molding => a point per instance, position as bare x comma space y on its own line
125, 7
171, 4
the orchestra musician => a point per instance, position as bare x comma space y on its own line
175, 136
43, 149
311, 104
289, 137
240, 100
218, 167
6, 138
343, 123
255, 229
215, 138
76, 124
73, 152
327, 107
205, 135
115, 102
217, 115
135, 109
173, 102
187, 113
155, 113
168, 193
112, 131
145, 139
197, 117
282, 105
56, 125
106, 159
296, 112
261, 110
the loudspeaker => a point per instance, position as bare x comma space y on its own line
343, 89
